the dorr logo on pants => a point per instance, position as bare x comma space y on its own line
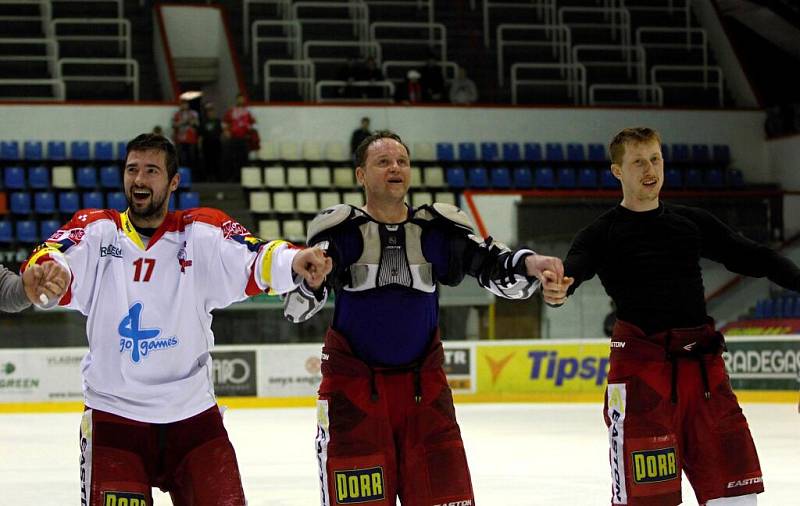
652, 466
123, 499
354, 486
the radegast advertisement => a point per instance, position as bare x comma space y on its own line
763, 363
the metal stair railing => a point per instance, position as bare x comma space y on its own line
707, 81
359, 15
689, 43
123, 26
118, 3
419, 4
432, 41
358, 84
545, 9
619, 21
131, 71
649, 94
304, 69
283, 8
575, 80
58, 88
450, 68
51, 57
560, 43
368, 48
628, 61
293, 39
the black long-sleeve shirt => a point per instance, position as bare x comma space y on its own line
649, 262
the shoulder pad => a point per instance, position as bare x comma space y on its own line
450, 213
328, 218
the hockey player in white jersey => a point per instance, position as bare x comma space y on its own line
147, 280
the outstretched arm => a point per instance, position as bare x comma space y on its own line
309, 297
45, 284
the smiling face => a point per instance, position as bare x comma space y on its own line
148, 186
385, 173
641, 173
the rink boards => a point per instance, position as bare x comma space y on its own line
762, 369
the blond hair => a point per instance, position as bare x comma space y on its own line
634, 135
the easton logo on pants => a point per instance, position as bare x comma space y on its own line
355, 486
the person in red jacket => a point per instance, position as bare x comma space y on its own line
239, 126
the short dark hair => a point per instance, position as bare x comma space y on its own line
156, 142
634, 135
361, 150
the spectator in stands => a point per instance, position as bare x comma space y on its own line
158, 130
369, 71
410, 92
432, 81
463, 90
185, 123
347, 73
211, 143
38, 285
240, 125
359, 134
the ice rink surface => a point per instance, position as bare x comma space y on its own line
519, 454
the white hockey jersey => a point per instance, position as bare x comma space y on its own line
149, 307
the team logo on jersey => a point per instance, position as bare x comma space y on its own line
141, 342
354, 486
76, 235
123, 499
231, 228
182, 260
652, 466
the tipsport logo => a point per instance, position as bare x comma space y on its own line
140, 342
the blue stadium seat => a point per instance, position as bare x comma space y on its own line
467, 152
715, 178
523, 178
566, 178
554, 152
533, 152
68, 202
501, 177
56, 150
86, 178
587, 178
39, 178
93, 200
9, 150
607, 180
172, 200
186, 178
666, 152
79, 150
490, 151
6, 232
445, 152
758, 313
597, 153
735, 178
44, 202
456, 178
700, 153
680, 153
188, 200
104, 151
721, 153
116, 200
478, 177
673, 178
14, 178
27, 231
122, 151
511, 152
694, 178
48, 228
20, 203
544, 177
33, 150
575, 152
110, 178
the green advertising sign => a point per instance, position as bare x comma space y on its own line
764, 363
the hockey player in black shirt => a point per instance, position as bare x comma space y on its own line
669, 406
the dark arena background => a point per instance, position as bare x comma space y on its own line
507, 108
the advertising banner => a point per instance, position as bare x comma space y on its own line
291, 370
41, 374
763, 363
234, 373
766, 327
459, 365
542, 367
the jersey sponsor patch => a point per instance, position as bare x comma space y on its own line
355, 486
231, 228
123, 499
140, 341
653, 466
